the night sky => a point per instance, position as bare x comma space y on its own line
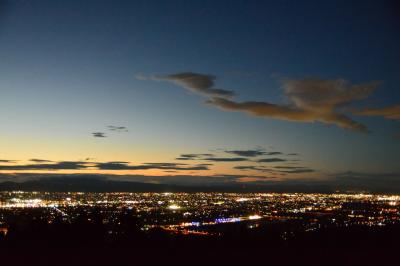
201, 92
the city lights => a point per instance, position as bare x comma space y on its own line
202, 211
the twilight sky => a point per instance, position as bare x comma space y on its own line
210, 91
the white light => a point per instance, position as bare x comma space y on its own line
254, 217
174, 207
242, 199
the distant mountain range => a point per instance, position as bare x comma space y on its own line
87, 184
103, 183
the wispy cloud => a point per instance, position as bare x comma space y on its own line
249, 167
276, 169
274, 153
226, 159
390, 112
7, 161
118, 128
309, 100
298, 171
62, 165
289, 167
271, 160
40, 161
193, 156
110, 128
148, 166
306, 100
195, 82
247, 153
293, 169
114, 165
203, 162
99, 134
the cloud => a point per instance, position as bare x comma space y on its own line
190, 155
63, 165
40, 161
184, 158
271, 160
99, 134
203, 163
7, 161
247, 153
118, 128
293, 169
289, 167
390, 112
193, 156
195, 82
113, 165
298, 171
147, 166
274, 153
275, 170
245, 178
292, 154
309, 100
249, 167
306, 100
110, 128
250, 179
227, 159
264, 169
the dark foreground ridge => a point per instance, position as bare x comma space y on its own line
90, 243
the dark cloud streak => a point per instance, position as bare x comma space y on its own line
271, 160
40, 161
118, 128
148, 166
63, 165
247, 153
7, 161
227, 159
99, 134
195, 82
